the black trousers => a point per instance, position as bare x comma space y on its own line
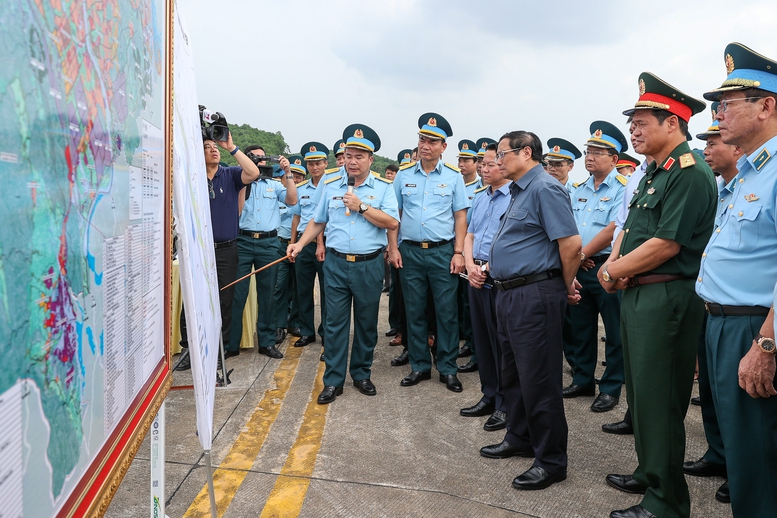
530, 320
482, 307
226, 271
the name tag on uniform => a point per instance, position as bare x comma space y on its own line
305, 197
582, 200
337, 197
410, 185
606, 199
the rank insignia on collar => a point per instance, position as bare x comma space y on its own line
750, 197
668, 164
442, 185
606, 199
761, 159
651, 190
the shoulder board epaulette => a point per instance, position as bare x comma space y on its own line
476, 180
330, 180
687, 160
376, 175
411, 164
622, 179
452, 167
302, 183
330, 171
382, 179
481, 189
576, 185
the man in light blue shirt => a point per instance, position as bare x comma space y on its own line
489, 205
737, 271
433, 208
595, 204
357, 217
257, 246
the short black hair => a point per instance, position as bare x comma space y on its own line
662, 115
253, 148
521, 139
392, 167
492, 147
415, 150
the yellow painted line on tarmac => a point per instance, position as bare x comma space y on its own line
288, 495
233, 470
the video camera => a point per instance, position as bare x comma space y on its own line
266, 172
214, 125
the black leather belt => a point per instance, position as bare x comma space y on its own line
284, 240
720, 310
479, 262
258, 235
224, 244
599, 259
355, 258
427, 244
529, 279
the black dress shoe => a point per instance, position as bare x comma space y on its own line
635, 511
465, 351
321, 358
619, 428
577, 391
504, 450
470, 366
722, 494
185, 362
305, 340
702, 468
329, 394
294, 331
400, 360
537, 478
230, 354
452, 383
482, 408
271, 351
696, 401
497, 421
365, 387
604, 403
414, 378
626, 483
392, 332
280, 335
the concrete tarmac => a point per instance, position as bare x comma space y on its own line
404, 452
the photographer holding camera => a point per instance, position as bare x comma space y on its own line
257, 246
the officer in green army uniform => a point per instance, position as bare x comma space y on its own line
356, 208
655, 261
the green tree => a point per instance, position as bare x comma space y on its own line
245, 135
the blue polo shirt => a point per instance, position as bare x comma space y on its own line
306, 203
739, 264
354, 234
595, 208
227, 183
261, 211
428, 201
487, 210
539, 213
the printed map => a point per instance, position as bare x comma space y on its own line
82, 104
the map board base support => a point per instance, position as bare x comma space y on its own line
211, 491
158, 464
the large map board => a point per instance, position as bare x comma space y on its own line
84, 246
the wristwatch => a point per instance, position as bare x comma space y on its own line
766, 344
363, 207
605, 276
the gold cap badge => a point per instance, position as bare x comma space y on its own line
556, 149
598, 133
729, 64
358, 133
298, 162
465, 146
312, 149
641, 87
432, 122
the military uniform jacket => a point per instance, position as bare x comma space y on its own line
594, 209
675, 200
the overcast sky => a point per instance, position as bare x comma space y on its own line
309, 68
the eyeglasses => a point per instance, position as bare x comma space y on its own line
724, 104
556, 165
595, 153
501, 154
211, 192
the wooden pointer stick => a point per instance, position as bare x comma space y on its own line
256, 271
